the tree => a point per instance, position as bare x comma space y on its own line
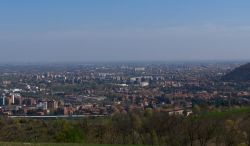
232, 134
206, 129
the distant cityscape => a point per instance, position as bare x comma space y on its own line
105, 89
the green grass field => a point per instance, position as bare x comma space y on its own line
229, 112
55, 144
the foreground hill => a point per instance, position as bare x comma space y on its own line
205, 128
57, 144
240, 74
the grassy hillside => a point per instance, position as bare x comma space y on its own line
241, 73
54, 144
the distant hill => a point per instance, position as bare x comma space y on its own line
240, 74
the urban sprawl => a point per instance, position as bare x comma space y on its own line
108, 88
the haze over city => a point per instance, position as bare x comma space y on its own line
131, 30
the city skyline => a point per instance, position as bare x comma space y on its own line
83, 31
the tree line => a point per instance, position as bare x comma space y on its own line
230, 128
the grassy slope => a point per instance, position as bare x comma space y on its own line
230, 112
54, 144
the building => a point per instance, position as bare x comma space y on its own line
52, 104
3, 101
138, 69
144, 84
42, 105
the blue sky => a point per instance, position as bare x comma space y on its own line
124, 30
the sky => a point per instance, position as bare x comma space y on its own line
124, 30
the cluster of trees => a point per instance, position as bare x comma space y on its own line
32, 130
230, 128
149, 128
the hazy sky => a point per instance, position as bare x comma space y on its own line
123, 30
